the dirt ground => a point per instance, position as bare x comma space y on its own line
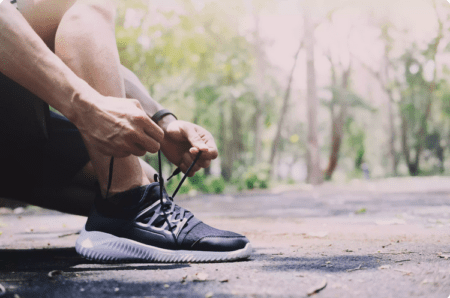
386, 238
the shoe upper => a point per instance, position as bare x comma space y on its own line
141, 215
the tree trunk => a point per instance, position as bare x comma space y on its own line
336, 140
283, 113
431, 87
260, 92
392, 152
232, 142
338, 125
225, 171
313, 154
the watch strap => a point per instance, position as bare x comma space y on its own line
161, 114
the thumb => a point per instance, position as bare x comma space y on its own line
194, 138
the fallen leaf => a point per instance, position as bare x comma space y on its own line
426, 281
445, 257
384, 267
201, 276
405, 272
53, 273
354, 269
318, 288
394, 221
317, 234
407, 260
361, 211
70, 234
166, 286
223, 280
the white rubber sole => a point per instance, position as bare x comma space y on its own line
107, 248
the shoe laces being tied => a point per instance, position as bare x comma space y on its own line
168, 207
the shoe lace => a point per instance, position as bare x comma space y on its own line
167, 206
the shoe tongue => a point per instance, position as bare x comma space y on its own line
152, 194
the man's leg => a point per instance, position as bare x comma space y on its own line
78, 197
85, 41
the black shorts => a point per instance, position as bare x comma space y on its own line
38, 148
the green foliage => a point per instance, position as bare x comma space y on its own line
361, 211
199, 182
255, 177
200, 64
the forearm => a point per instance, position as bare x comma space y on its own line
135, 89
28, 61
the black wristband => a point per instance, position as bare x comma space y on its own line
161, 114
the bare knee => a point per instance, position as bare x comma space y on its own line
91, 11
85, 23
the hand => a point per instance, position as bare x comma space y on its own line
117, 126
182, 142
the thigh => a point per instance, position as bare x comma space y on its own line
23, 135
37, 150
64, 152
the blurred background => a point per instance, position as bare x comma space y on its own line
299, 91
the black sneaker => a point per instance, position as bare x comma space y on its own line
146, 225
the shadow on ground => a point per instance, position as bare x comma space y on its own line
339, 263
64, 259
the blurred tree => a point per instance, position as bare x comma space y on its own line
389, 85
417, 97
282, 115
314, 175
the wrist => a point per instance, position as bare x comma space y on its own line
165, 121
163, 118
82, 103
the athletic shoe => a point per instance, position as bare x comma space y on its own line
146, 225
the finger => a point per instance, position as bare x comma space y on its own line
121, 154
116, 150
134, 149
209, 141
213, 152
206, 155
187, 158
146, 142
186, 163
183, 168
204, 163
194, 138
194, 150
150, 128
195, 169
139, 150
117, 153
